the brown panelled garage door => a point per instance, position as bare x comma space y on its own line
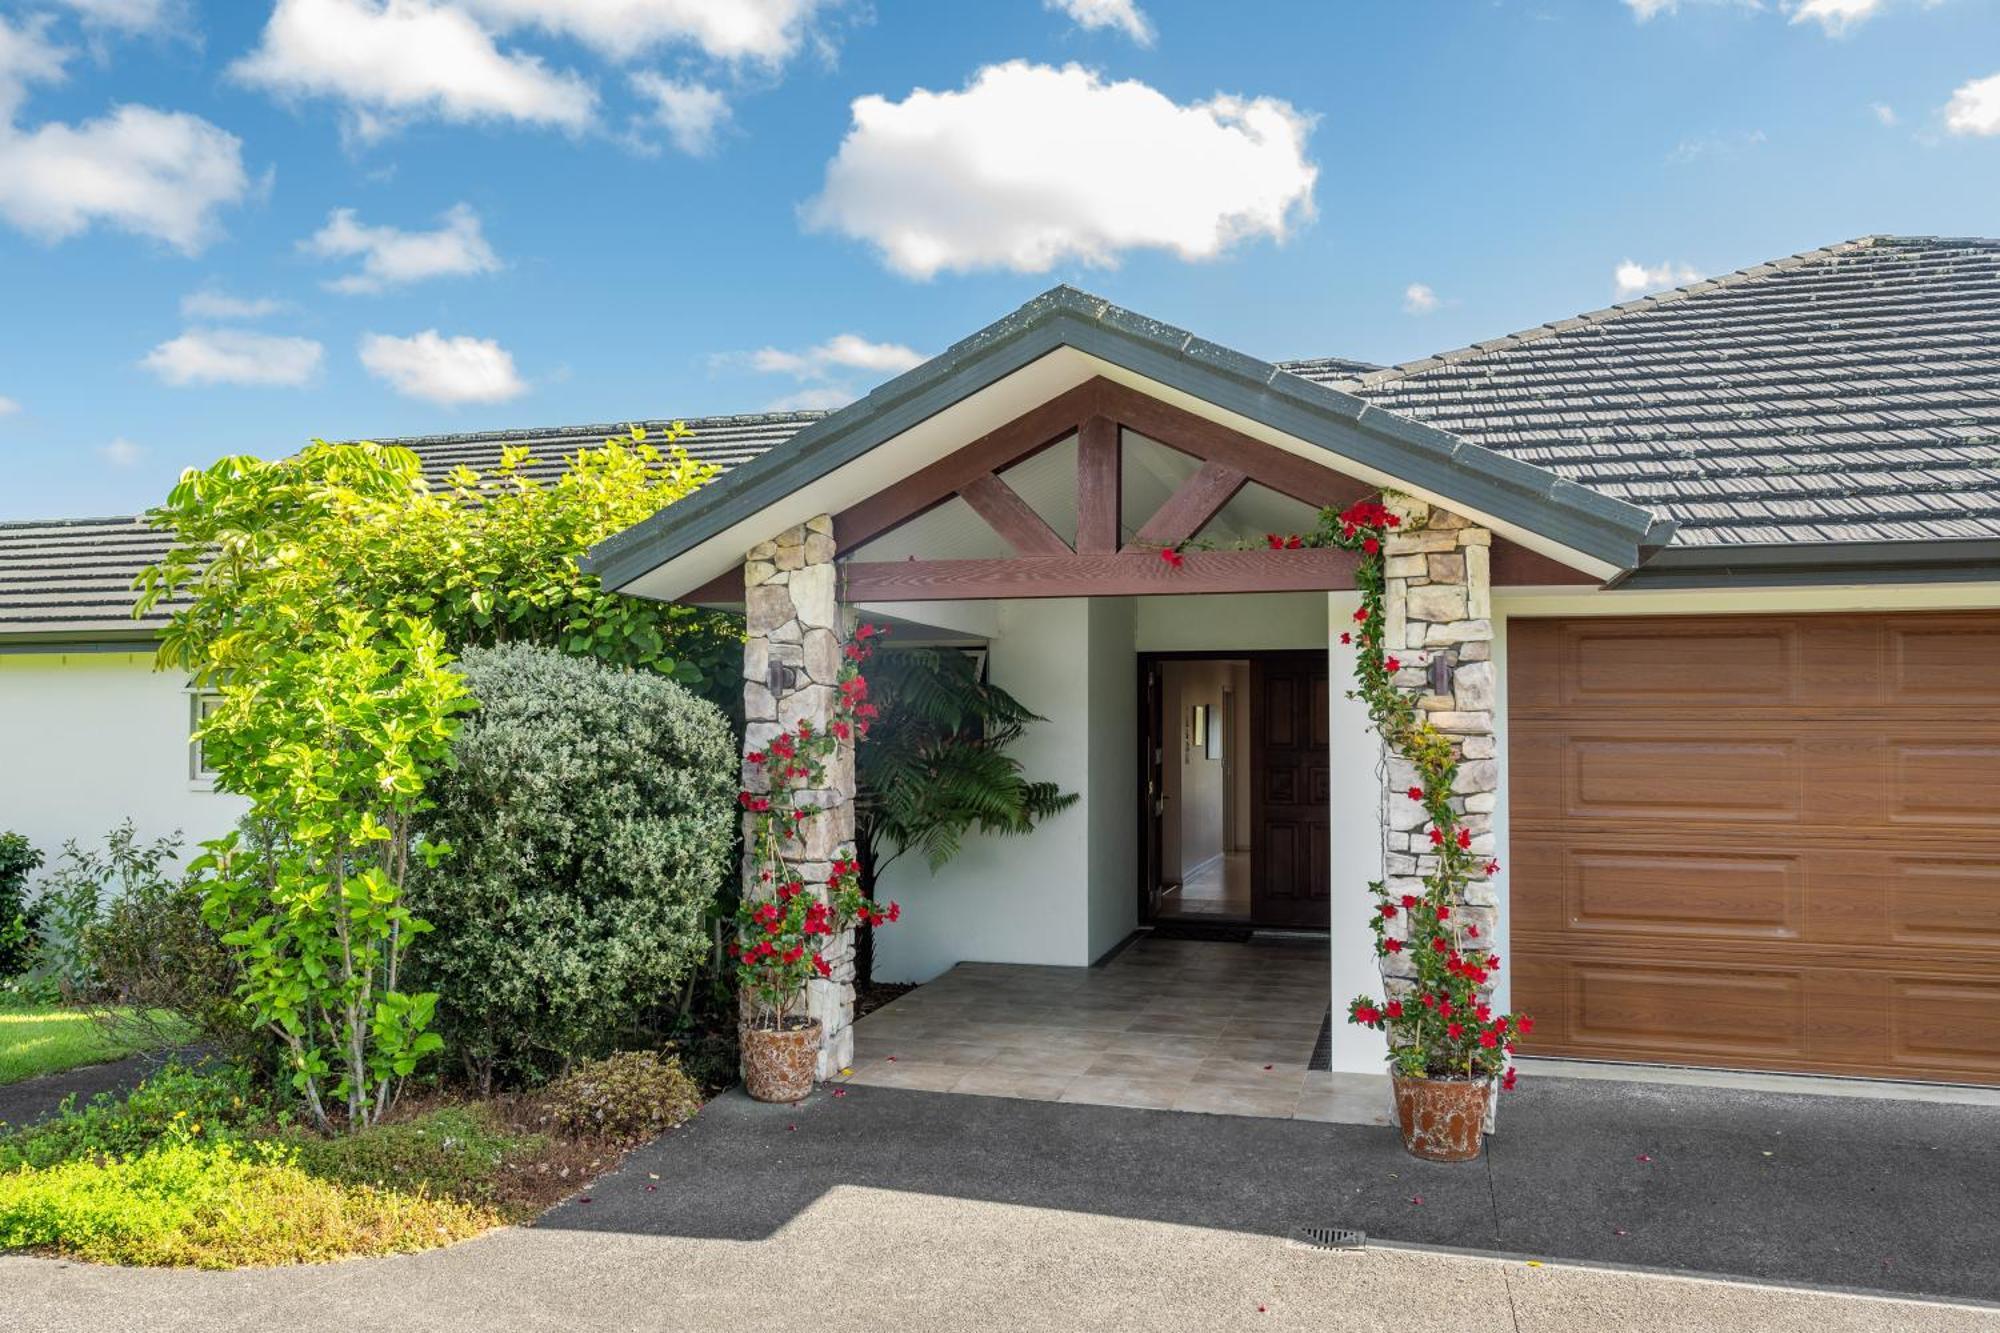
1770, 842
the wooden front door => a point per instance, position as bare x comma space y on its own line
1290, 857
1763, 841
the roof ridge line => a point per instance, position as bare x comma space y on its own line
1735, 278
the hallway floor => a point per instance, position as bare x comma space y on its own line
1176, 1025
1221, 888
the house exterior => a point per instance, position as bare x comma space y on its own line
1706, 587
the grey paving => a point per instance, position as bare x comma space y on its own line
1785, 1188
31, 1099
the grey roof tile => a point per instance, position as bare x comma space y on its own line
1793, 401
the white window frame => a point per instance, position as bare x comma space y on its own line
200, 703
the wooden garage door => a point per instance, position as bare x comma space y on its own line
1770, 842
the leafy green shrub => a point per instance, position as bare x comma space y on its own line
163, 971
631, 1095
210, 1104
17, 923
75, 894
592, 816
217, 1206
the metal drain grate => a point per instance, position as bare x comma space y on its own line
1330, 1238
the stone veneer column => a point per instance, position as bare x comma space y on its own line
795, 631
1438, 602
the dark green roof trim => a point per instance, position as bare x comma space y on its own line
1531, 497
139, 639
1805, 564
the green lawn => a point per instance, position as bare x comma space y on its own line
46, 1039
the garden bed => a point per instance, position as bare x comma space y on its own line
195, 1169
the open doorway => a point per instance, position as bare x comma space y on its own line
1234, 798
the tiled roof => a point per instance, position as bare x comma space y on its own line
72, 578
1845, 394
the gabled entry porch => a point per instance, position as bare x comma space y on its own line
1065, 491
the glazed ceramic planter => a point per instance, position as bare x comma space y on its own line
778, 1064
1442, 1119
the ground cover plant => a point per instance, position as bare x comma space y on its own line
203, 1168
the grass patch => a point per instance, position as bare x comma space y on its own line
47, 1039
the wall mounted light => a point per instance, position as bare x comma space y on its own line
1440, 674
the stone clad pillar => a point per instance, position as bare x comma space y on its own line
1438, 605
794, 635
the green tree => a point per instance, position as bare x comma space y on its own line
18, 859
332, 741
487, 558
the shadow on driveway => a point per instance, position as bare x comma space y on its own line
1827, 1191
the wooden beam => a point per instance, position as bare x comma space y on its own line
1315, 483
1098, 478
1515, 566
1122, 574
1191, 506
1029, 433
1012, 517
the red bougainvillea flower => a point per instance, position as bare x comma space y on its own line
1391, 664
1370, 545
1444, 1007
1295, 543
1472, 931
1392, 945
1409, 900
1416, 793
1367, 1013
755, 756
1492, 867
1524, 1025
1507, 1080
1171, 556
1444, 914
1274, 541
1388, 911
1345, 637
1437, 837
1454, 1030
1360, 615
1395, 1009
1488, 1040
819, 966
1438, 944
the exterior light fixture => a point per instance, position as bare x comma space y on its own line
1440, 674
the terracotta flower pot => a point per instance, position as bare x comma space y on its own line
1443, 1119
778, 1064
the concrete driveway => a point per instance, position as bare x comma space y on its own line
887, 1208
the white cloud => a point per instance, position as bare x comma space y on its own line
211, 304
127, 15
162, 174
843, 351
822, 399
443, 370
121, 452
1717, 146
1123, 15
391, 257
1645, 10
766, 31
8, 407
1884, 113
691, 113
234, 356
1030, 166
1975, 107
393, 59
1419, 299
1835, 17
1633, 278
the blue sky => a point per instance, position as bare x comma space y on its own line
229, 227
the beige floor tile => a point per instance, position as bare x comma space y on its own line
1115, 1064
1250, 1073
908, 1074
991, 1082
1031, 1060
1151, 1094
1226, 1099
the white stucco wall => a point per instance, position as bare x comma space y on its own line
90, 739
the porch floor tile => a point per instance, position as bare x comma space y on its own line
1184, 1025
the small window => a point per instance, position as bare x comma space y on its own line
201, 704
